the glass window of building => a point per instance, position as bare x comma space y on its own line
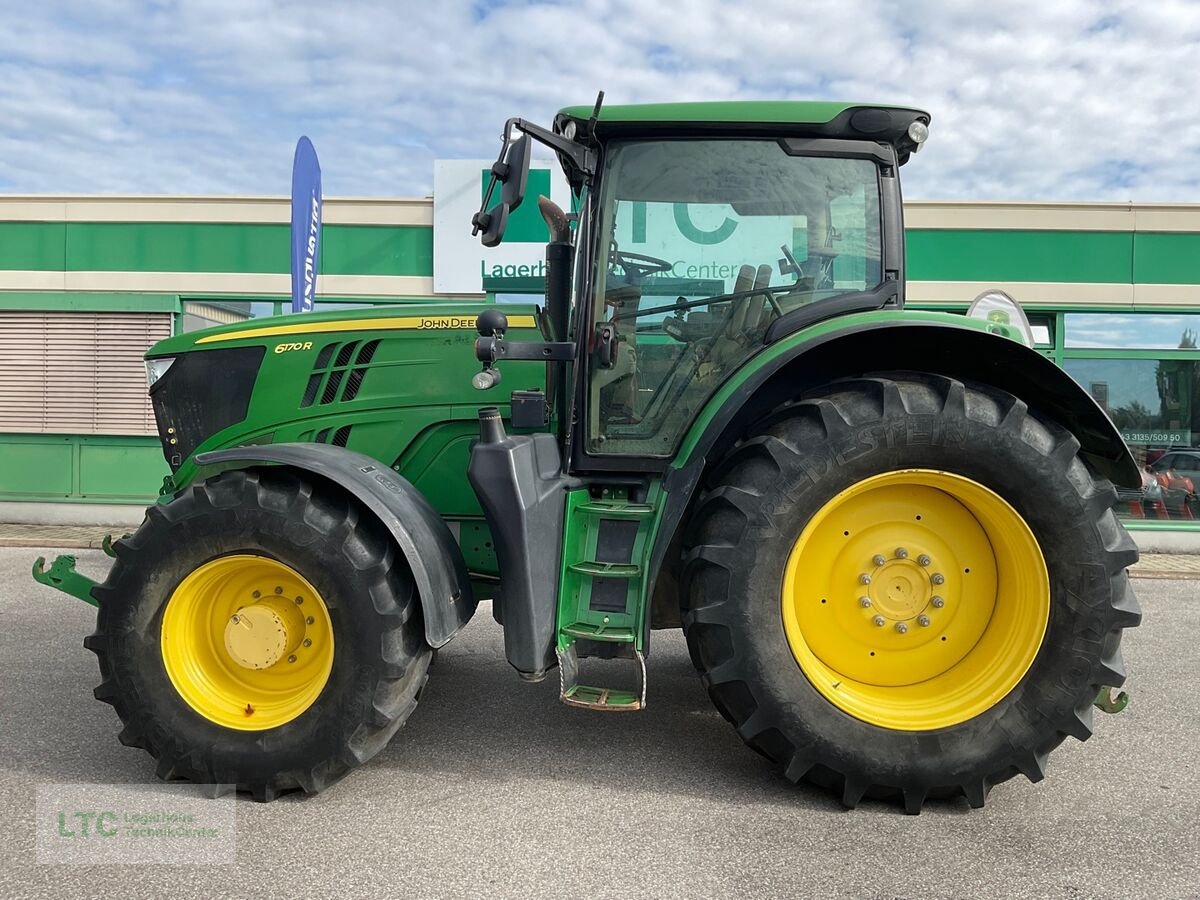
1144, 371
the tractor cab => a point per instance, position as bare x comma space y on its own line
705, 232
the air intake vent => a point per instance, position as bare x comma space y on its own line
339, 439
335, 372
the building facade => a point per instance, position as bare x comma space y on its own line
86, 284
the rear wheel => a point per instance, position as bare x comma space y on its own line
260, 632
907, 587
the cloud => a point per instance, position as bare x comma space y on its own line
1030, 100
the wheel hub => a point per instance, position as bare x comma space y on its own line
900, 589
259, 635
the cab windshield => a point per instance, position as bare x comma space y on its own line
702, 244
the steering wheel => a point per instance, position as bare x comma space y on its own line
639, 265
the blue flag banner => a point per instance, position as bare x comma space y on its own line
306, 225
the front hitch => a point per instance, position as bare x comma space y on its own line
1106, 702
62, 576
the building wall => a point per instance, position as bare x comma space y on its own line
200, 260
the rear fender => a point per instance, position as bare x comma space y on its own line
857, 345
428, 546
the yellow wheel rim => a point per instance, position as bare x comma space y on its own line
915, 599
247, 642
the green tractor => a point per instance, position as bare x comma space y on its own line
887, 535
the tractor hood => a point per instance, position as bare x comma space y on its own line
342, 378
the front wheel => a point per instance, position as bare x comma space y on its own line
262, 632
904, 586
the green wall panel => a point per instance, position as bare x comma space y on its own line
933, 254
1087, 257
108, 471
35, 466
96, 468
210, 247
34, 246
176, 247
376, 250
1160, 258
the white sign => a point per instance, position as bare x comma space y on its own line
460, 261
701, 240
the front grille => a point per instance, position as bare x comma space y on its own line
202, 393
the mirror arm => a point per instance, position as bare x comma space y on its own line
581, 156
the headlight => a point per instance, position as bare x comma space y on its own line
157, 368
918, 133
1003, 315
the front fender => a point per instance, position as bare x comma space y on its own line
439, 571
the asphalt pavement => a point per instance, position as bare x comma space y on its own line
493, 788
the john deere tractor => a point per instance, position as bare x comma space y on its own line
887, 535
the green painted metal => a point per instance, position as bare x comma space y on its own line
106, 544
33, 246
209, 247
377, 250
93, 301
1106, 702
80, 468
415, 409
1092, 257
62, 577
1166, 258
580, 568
733, 384
769, 111
1082, 257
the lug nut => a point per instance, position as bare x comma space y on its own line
901, 553
309, 620
292, 658
299, 600
879, 621
937, 578
864, 602
278, 589
923, 621
234, 620
864, 578
923, 560
878, 559
937, 602
308, 641
256, 594
902, 628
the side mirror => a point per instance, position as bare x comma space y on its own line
512, 173
517, 177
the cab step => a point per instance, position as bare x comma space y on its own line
606, 569
601, 699
616, 509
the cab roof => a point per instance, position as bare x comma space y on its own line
801, 118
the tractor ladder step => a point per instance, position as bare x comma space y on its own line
606, 569
615, 635
602, 699
617, 509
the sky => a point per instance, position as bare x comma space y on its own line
1030, 99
